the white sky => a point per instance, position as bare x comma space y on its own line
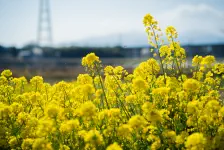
77, 20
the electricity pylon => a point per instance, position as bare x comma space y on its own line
44, 33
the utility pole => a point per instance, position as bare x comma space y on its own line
44, 32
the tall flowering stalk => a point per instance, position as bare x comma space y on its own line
154, 36
92, 64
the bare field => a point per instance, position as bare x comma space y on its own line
54, 70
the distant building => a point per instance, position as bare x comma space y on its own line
216, 50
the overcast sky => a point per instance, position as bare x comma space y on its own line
77, 20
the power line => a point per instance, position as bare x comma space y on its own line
44, 33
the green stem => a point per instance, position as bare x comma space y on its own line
157, 47
101, 83
175, 58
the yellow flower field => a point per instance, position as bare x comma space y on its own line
155, 107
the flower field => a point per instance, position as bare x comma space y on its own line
155, 107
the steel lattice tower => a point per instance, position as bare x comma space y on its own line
44, 33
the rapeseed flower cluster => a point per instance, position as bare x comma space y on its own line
155, 107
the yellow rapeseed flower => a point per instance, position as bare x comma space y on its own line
6, 73
88, 109
139, 84
41, 144
69, 126
191, 85
124, 131
171, 33
90, 60
52, 111
195, 141
148, 20
208, 60
197, 60
114, 146
137, 122
94, 137
27, 144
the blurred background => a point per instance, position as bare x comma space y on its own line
49, 37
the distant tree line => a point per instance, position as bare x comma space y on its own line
71, 52
104, 52
9, 51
